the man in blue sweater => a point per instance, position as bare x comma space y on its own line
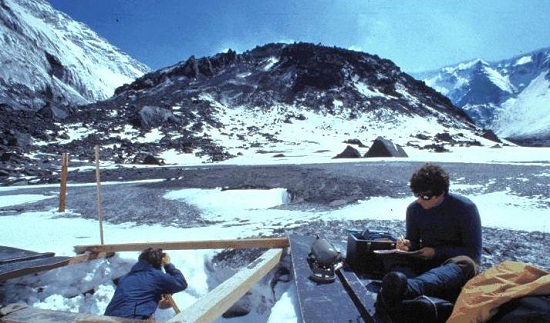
139, 292
445, 230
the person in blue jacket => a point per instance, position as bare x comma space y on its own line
139, 292
445, 231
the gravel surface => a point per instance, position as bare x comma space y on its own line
313, 187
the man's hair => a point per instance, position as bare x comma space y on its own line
152, 256
430, 178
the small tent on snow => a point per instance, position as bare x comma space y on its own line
384, 148
349, 152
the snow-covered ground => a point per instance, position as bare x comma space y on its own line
68, 288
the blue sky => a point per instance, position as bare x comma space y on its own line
417, 35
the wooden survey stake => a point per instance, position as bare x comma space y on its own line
99, 215
63, 189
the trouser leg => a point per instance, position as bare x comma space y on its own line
445, 281
410, 267
468, 266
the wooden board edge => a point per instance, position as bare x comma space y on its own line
187, 245
17, 313
66, 261
348, 295
28, 257
211, 306
33, 270
89, 256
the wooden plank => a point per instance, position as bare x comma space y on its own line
211, 306
17, 313
89, 256
10, 254
63, 187
187, 245
363, 293
29, 262
319, 302
22, 268
362, 289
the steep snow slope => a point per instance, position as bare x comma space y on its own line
529, 112
48, 58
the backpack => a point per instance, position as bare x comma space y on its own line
525, 309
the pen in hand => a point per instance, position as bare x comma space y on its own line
402, 243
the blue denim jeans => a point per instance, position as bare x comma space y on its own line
444, 281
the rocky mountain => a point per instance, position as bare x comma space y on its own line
49, 64
261, 101
50, 61
509, 96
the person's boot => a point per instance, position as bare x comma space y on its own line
424, 309
394, 287
401, 304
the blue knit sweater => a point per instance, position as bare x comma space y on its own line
452, 228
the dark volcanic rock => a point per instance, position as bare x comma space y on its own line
186, 103
152, 160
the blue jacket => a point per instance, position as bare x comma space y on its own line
138, 292
452, 228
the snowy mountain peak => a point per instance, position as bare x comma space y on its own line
49, 59
470, 65
472, 82
508, 96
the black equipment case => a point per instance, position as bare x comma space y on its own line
359, 252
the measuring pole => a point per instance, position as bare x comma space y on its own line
172, 303
98, 193
63, 189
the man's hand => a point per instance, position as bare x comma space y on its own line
165, 259
426, 253
164, 303
403, 244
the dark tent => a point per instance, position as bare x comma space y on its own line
349, 152
384, 148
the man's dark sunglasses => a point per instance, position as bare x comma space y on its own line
426, 196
